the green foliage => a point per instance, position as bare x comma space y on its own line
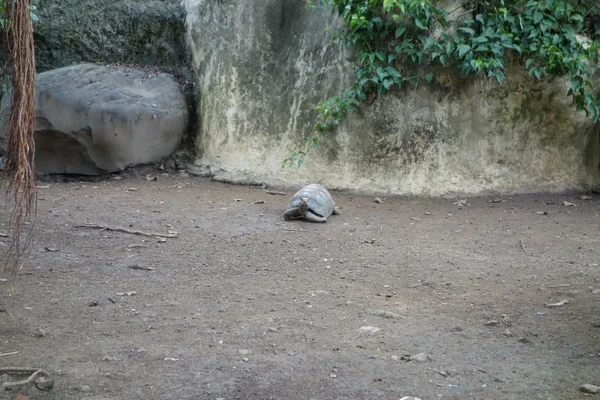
402, 42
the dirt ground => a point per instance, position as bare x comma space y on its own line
244, 305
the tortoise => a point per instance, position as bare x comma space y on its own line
313, 202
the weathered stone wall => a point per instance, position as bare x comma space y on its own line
262, 66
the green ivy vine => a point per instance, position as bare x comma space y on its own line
403, 42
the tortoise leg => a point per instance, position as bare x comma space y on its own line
292, 213
336, 211
314, 218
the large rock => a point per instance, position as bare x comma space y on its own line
94, 119
145, 32
263, 65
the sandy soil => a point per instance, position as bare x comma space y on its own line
244, 305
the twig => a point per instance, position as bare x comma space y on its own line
33, 371
9, 354
275, 192
117, 229
523, 246
295, 230
142, 267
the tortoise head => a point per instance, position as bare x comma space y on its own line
303, 205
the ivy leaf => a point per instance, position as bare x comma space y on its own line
428, 77
387, 83
528, 63
467, 30
576, 17
400, 31
300, 161
393, 72
420, 24
463, 49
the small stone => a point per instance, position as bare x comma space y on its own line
385, 314
259, 202
507, 333
591, 389
596, 324
44, 383
410, 398
525, 340
85, 388
421, 357
369, 329
427, 212
93, 303
568, 204
394, 358
596, 291
245, 359
378, 200
332, 375
244, 352
492, 322
40, 333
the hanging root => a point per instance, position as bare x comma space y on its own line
19, 169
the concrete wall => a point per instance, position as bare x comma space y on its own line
262, 66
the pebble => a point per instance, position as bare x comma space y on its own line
507, 333
596, 324
369, 329
394, 358
591, 389
492, 322
44, 383
410, 398
244, 352
85, 388
421, 357
378, 200
40, 333
245, 359
386, 314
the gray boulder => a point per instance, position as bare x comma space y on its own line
93, 119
